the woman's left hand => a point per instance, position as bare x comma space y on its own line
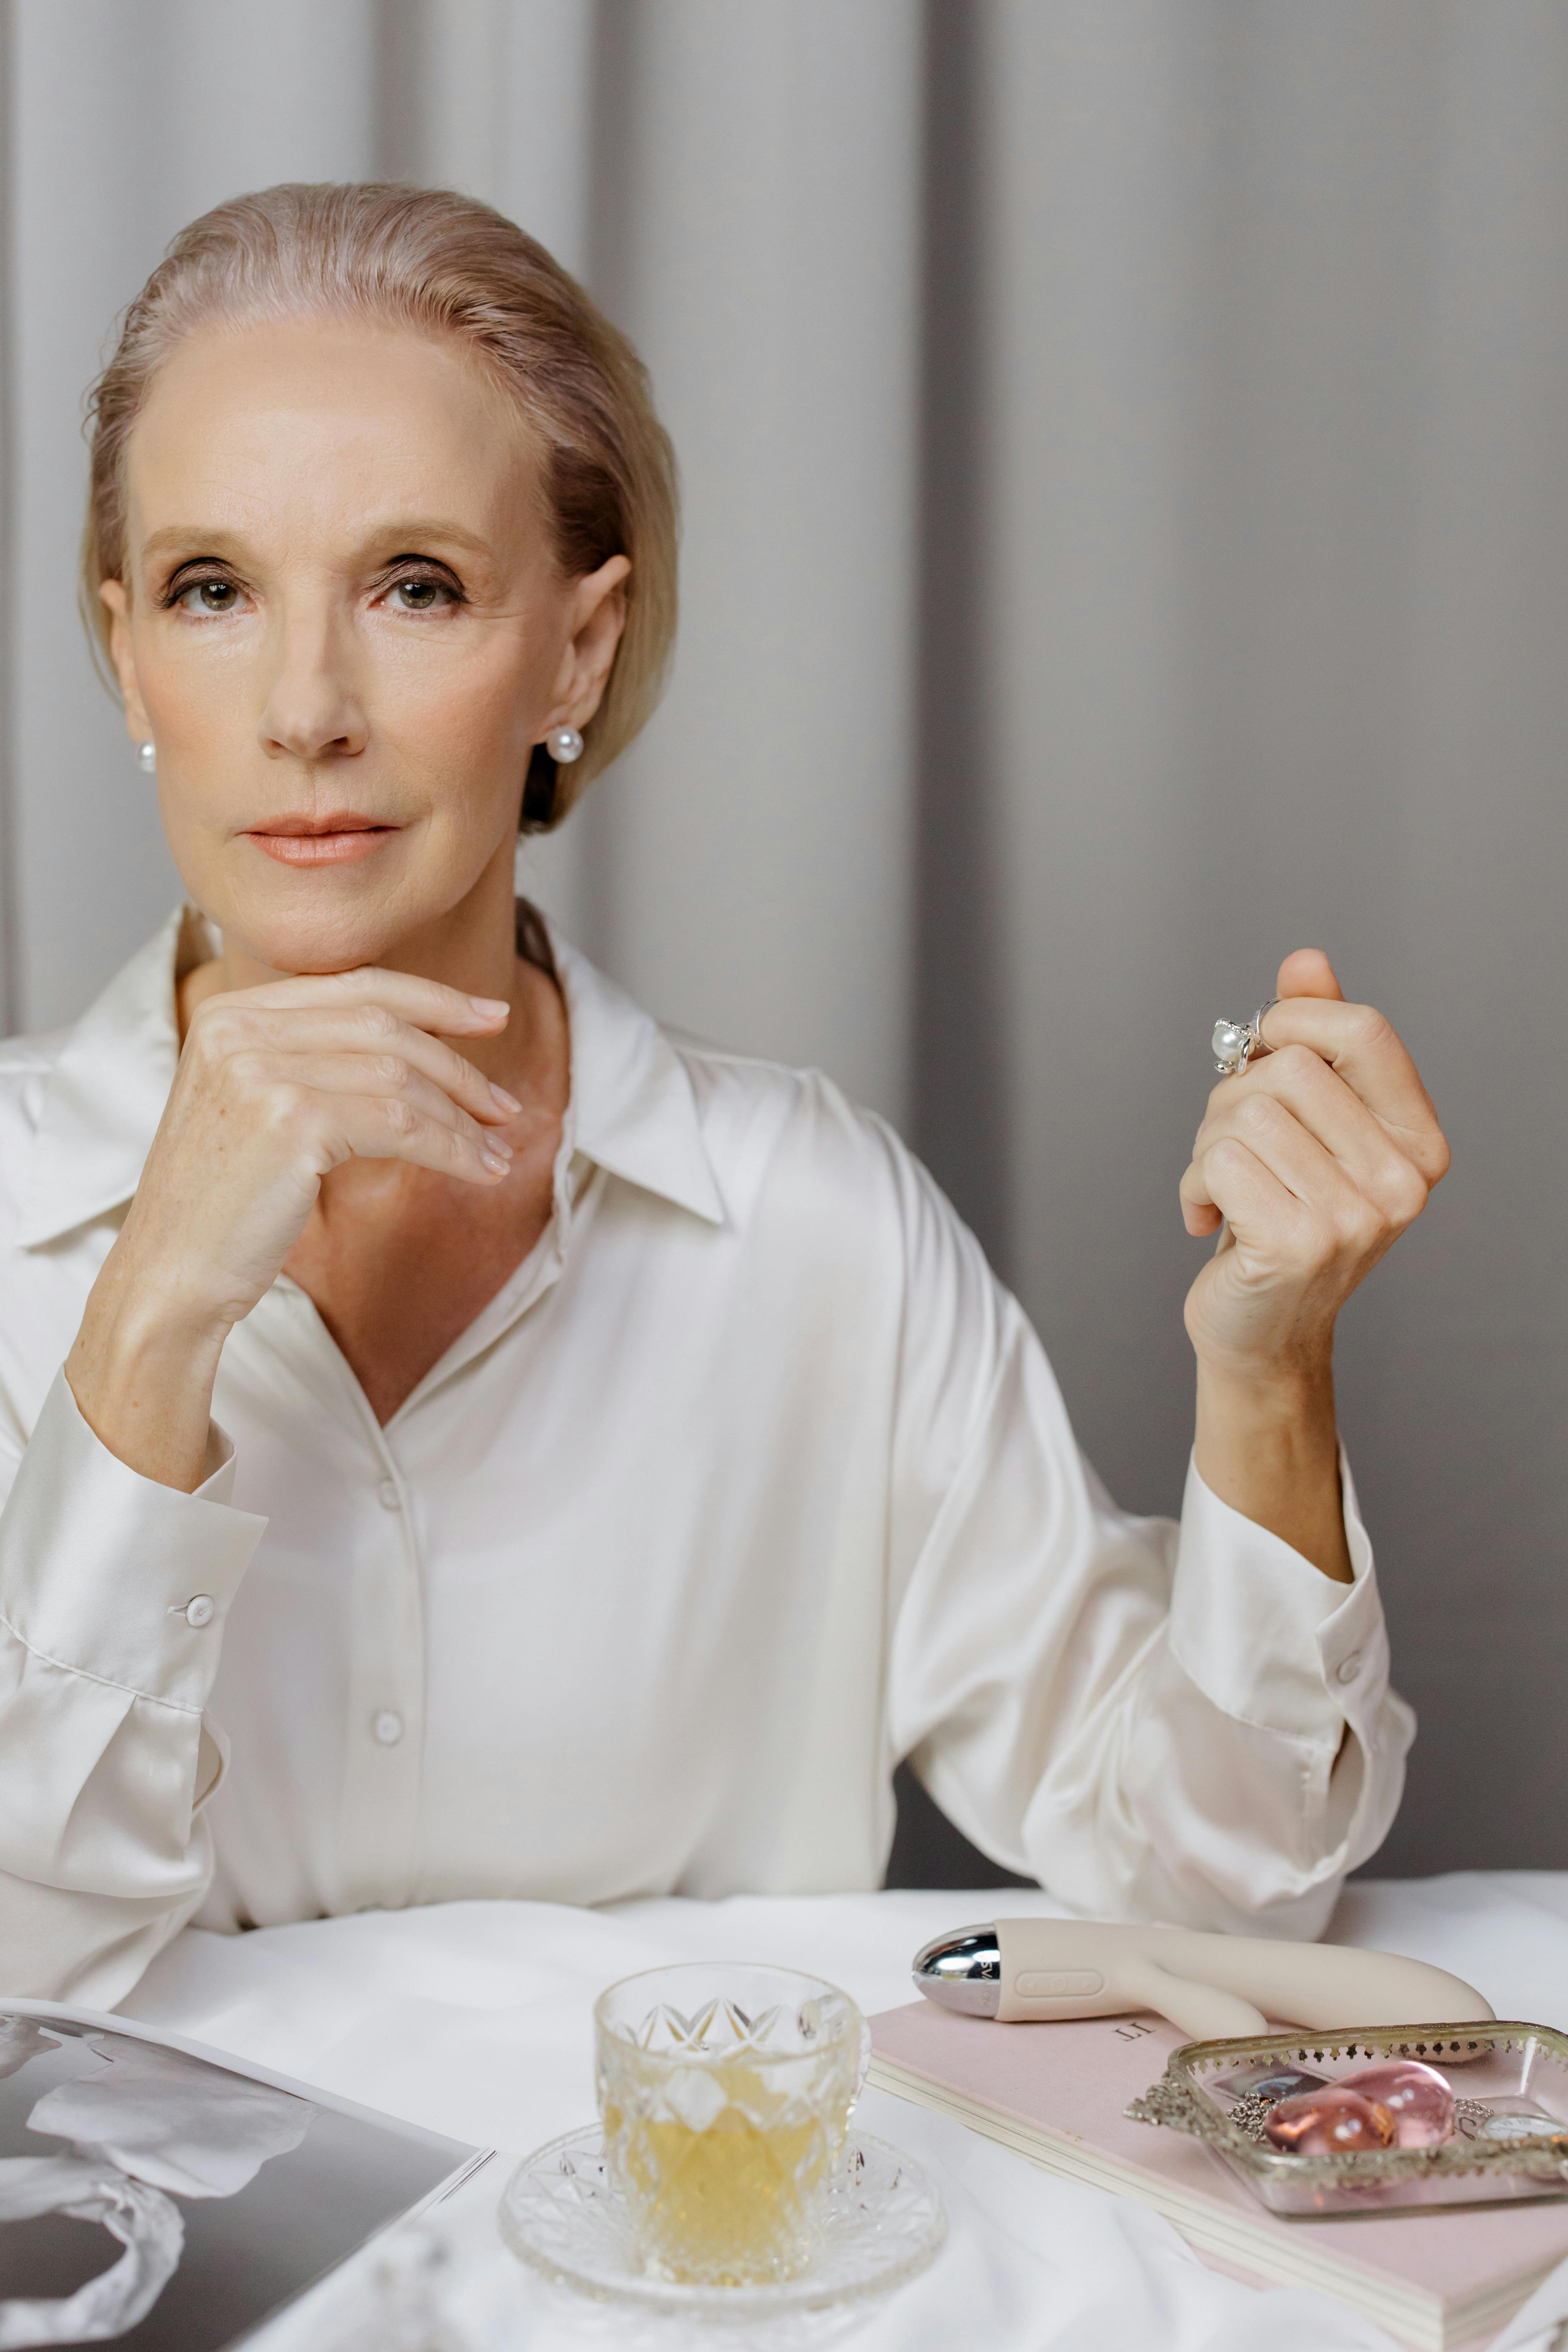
1316, 1157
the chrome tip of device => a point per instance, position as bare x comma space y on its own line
962, 1970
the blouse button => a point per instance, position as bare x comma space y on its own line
1348, 1668
387, 1726
200, 1609
391, 1500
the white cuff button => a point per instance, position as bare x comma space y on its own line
1348, 1668
391, 1500
200, 1609
387, 1726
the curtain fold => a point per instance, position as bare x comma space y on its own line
1125, 475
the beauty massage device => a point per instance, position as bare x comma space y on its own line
1212, 1987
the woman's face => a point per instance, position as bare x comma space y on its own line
345, 628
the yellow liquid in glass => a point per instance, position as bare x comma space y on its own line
730, 2205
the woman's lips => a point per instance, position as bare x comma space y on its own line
333, 843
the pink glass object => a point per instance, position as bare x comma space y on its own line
1417, 2097
1334, 2121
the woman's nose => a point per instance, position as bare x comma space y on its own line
313, 710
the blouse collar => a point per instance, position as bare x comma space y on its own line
632, 1110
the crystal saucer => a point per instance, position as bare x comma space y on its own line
883, 2223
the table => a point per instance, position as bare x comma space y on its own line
474, 2020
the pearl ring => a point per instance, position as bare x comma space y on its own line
1233, 1045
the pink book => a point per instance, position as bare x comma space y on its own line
1056, 2094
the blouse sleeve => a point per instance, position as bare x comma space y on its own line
1182, 1723
113, 1592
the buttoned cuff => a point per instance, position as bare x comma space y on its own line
1264, 1635
109, 1574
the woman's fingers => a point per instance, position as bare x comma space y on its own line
1290, 1213
1251, 1198
1307, 972
355, 1064
1358, 1042
1315, 1159
1303, 1086
1222, 1177
390, 1127
424, 1003
1318, 1223
1346, 1077
387, 1077
232, 1028
1268, 1133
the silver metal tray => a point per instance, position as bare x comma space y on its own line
1511, 2142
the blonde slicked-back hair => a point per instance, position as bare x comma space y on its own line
439, 264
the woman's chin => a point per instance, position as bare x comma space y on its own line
339, 915
321, 935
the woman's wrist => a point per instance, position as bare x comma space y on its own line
141, 1370
1268, 1444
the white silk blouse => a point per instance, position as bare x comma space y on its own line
751, 1481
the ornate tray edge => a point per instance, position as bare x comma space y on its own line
1178, 2102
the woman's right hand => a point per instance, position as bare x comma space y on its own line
276, 1087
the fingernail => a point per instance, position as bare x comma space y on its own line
495, 1163
490, 1005
497, 1143
508, 1102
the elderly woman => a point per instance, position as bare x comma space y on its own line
460, 1440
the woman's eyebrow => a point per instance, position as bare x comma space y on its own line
410, 533
400, 535
190, 539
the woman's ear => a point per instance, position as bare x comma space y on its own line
114, 601
597, 619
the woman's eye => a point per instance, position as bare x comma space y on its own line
206, 597
419, 595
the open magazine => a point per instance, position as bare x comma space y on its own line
160, 2196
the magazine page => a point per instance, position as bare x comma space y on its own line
159, 2197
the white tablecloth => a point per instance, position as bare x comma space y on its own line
474, 2018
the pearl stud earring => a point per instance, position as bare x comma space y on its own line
564, 745
147, 758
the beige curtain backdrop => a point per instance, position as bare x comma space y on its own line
1126, 460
